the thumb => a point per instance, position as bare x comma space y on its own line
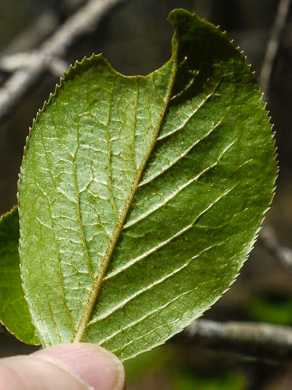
64, 367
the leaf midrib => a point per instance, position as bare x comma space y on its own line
120, 222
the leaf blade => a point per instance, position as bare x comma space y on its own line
164, 208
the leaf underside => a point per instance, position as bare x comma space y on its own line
141, 197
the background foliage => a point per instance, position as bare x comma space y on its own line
135, 38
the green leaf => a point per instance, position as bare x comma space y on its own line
141, 197
14, 312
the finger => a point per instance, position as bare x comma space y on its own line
64, 367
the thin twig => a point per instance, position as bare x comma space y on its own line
268, 239
257, 340
273, 45
82, 22
19, 61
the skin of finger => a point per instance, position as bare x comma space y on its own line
101, 369
32, 373
67, 366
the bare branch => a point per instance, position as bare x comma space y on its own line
19, 61
268, 239
257, 340
273, 44
82, 22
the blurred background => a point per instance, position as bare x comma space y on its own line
136, 39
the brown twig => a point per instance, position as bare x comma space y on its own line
257, 340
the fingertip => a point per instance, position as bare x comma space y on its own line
94, 365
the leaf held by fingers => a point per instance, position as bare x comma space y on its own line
141, 197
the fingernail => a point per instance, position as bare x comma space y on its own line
96, 366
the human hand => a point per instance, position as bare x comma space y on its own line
63, 367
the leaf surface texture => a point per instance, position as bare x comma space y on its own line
141, 197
